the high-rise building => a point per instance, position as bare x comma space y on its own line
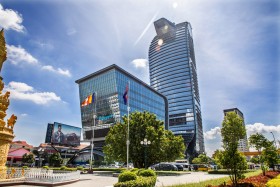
109, 85
173, 73
243, 143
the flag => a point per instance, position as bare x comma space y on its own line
125, 95
89, 99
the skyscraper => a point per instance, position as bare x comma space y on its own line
173, 73
242, 143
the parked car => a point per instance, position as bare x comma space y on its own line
179, 166
164, 167
113, 166
186, 166
200, 167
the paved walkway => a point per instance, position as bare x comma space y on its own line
88, 180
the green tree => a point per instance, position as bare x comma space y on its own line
270, 156
55, 160
255, 160
164, 145
202, 159
232, 131
217, 156
260, 142
28, 158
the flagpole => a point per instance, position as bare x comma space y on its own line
92, 138
127, 142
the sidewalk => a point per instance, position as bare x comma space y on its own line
91, 180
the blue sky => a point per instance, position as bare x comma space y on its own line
51, 44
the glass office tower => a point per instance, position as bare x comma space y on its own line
173, 73
109, 85
242, 143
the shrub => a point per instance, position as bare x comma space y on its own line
127, 176
24, 167
273, 183
63, 168
70, 169
117, 170
139, 182
225, 172
45, 167
134, 170
147, 173
80, 168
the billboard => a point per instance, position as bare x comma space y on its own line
49, 133
62, 134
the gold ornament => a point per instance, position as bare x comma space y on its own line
6, 131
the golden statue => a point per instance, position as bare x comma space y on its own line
6, 131
3, 52
11, 122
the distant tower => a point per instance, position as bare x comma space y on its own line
243, 143
173, 73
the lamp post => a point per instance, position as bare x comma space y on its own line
92, 138
274, 139
40, 151
145, 143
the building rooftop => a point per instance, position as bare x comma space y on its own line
114, 66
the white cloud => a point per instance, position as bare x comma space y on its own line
10, 19
59, 70
212, 134
23, 115
20, 87
19, 55
140, 63
22, 91
250, 129
262, 128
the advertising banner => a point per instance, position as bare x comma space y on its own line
66, 135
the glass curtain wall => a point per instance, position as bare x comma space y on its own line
173, 73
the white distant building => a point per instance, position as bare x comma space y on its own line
243, 143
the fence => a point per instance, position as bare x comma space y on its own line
41, 175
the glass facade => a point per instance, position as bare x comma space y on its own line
109, 85
173, 73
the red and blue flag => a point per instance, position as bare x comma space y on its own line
125, 95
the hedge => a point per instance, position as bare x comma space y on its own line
139, 182
63, 168
147, 173
225, 172
127, 176
117, 170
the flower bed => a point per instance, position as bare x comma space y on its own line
274, 182
260, 180
255, 181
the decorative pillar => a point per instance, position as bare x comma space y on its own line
6, 129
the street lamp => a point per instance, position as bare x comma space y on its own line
40, 151
145, 143
274, 139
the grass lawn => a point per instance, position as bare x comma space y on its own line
215, 181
